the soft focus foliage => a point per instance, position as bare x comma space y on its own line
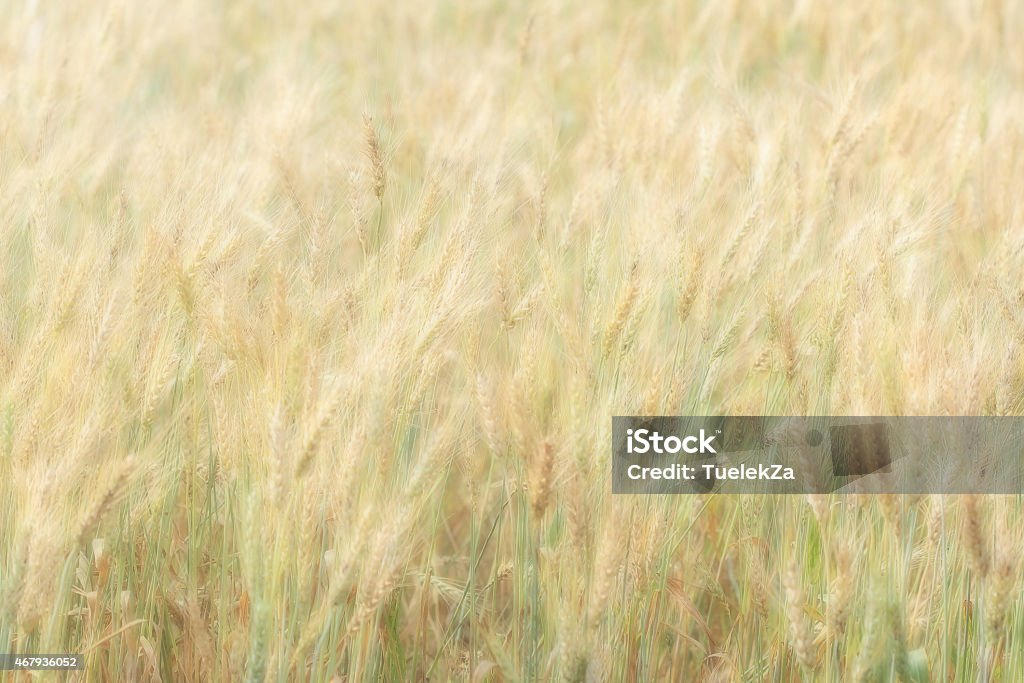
313, 318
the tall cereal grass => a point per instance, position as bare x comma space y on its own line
313, 317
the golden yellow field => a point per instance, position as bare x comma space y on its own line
314, 316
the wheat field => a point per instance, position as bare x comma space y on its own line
314, 317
